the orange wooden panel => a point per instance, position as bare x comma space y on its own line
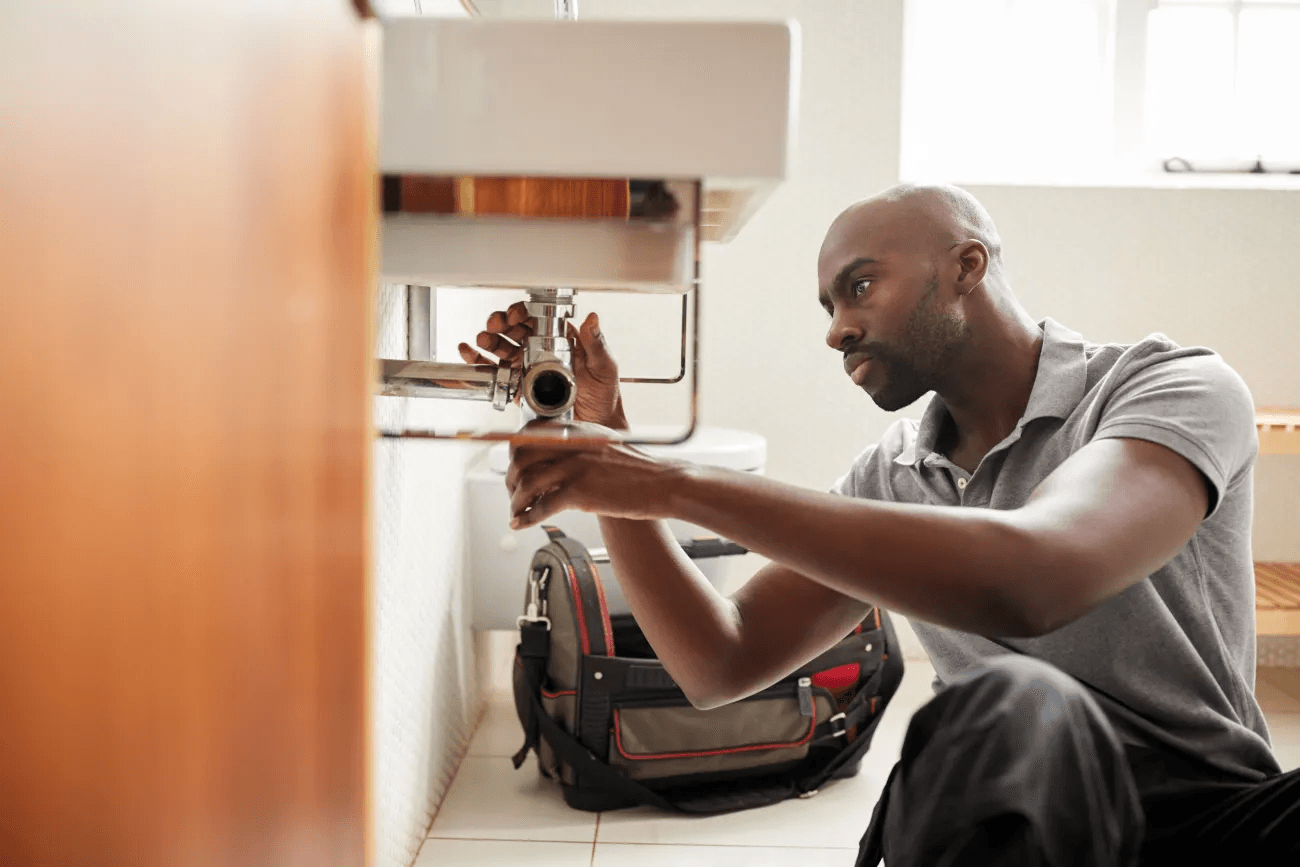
547, 197
186, 214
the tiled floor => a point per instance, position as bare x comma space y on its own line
495, 815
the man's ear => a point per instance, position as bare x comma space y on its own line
973, 263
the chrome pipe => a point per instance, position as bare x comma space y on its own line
549, 387
494, 383
421, 323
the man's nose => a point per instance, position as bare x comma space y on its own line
841, 332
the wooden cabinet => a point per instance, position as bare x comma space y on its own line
186, 232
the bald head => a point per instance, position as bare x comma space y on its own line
917, 219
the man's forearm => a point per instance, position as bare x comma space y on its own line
693, 628
968, 569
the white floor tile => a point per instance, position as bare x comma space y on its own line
491, 800
502, 853
644, 855
499, 733
835, 818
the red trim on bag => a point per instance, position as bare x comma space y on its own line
838, 677
519, 662
618, 740
873, 704
604, 611
546, 694
577, 606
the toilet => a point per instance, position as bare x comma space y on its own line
498, 557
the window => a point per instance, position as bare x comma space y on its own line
1222, 81
1060, 90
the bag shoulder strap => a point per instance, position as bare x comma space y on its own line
591, 770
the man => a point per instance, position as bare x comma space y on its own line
1068, 527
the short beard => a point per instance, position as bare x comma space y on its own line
930, 341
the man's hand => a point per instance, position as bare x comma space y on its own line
611, 480
595, 370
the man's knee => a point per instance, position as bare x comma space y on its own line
1020, 739
1013, 673
1015, 697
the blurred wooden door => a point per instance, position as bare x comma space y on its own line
185, 246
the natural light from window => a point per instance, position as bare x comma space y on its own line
1008, 91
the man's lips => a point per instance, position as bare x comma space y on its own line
855, 365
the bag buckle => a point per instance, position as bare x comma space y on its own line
536, 610
843, 726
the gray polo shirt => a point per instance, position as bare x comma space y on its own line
1172, 658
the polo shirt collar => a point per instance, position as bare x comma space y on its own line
1058, 387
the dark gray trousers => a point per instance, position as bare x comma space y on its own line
1016, 763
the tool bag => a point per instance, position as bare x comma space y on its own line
613, 728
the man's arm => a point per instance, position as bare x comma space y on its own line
719, 649
1116, 511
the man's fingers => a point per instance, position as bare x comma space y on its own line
505, 320
596, 356
520, 463
471, 357
526, 459
504, 346
540, 481
517, 314
541, 510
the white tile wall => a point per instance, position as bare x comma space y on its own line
427, 695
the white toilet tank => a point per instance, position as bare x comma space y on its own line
498, 557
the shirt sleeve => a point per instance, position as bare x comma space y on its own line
1191, 402
851, 483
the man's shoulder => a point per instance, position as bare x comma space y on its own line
1155, 355
1166, 374
1187, 398
868, 474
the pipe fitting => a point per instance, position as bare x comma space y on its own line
549, 387
491, 382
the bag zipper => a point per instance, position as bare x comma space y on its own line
802, 690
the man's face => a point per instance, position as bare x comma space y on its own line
889, 312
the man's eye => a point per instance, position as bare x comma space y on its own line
859, 288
